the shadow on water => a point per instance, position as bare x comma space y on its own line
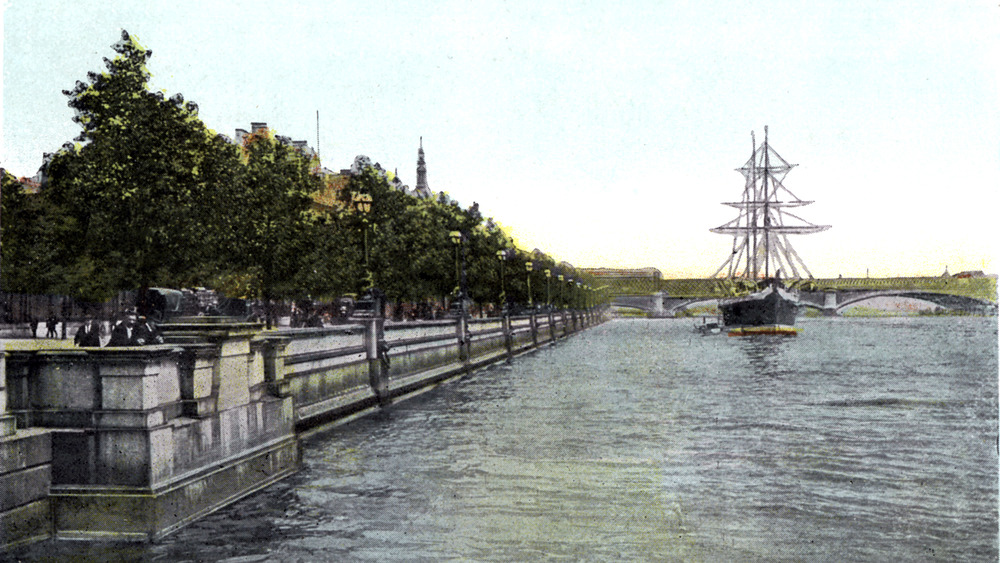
766, 354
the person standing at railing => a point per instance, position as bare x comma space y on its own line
89, 334
146, 333
121, 334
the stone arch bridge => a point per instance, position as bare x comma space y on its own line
976, 295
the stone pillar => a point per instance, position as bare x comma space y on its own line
534, 328
274, 365
658, 304
378, 374
830, 303
25, 477
199, 390
7, 424
508, 338
463, 337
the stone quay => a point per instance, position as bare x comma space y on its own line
133, 443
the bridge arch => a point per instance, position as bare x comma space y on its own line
945, 300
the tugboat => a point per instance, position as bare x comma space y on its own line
759, 302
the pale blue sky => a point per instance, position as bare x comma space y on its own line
605, 133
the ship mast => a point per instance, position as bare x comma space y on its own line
752, 196
767, 215
763, 224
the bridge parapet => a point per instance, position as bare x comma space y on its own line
975, 295
982, 288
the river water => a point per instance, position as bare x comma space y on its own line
858, 440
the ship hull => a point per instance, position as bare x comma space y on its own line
771, 310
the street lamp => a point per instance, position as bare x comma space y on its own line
363, 205
502, 257
548, 287
562, 302
529, 266
371, 303
457, 238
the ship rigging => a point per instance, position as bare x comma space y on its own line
760, 230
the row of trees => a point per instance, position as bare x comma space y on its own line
149, 196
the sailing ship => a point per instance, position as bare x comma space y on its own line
760, 301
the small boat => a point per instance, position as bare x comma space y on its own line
759, 302
709, 327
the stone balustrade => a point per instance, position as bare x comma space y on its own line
131, 443
155, 435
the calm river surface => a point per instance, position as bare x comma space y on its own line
858, 440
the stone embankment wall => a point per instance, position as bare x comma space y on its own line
146, 439
334, 372
133, 443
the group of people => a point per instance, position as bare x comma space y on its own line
130, 330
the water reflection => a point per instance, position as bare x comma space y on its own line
766, 354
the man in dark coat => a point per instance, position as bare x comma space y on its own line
89, 334
121, 334
146, 333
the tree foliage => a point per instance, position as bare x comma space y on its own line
136, 184
34, 239
271, 200
149, 196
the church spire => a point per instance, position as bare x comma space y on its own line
422, 188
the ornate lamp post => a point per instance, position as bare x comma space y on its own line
548, 287
562, 303
529, 266
371, 302
502, 257
363, 205
457, 238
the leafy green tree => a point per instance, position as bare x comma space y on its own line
333, 260
135, 187
269, 236
34, 235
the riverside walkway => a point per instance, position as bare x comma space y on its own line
132, 443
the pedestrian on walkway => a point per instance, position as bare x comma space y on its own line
121, 334
89, 334
50, 326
